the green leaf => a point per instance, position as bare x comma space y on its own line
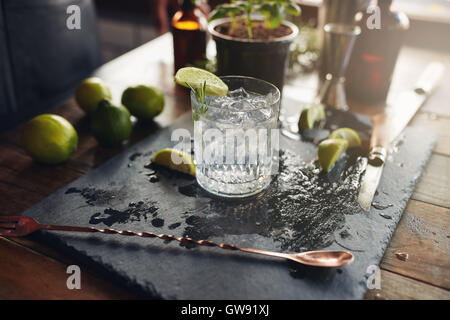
273, 11
293, 9
200, 95
224, 10
217, 13
203, 93
194, 91
243, 6
232, 8
265, 9
273, 14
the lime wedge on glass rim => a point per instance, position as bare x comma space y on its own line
330, 150
196, 77
347, 134
175, 159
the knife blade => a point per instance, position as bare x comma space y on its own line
388, 125
379, 147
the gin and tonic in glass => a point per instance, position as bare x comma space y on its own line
236, 137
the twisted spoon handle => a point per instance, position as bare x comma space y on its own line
21, 226
328, 258
162, 236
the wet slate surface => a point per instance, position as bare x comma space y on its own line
300, 210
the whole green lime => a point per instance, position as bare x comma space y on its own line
90, 92
111, 124
144, 102
49, 138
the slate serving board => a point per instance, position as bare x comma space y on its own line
292, 215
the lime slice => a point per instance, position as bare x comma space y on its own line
310, 115
330, 150
175, 159
195, 77
347, 134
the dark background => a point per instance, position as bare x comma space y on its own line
41, 61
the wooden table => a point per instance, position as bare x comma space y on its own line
30, 270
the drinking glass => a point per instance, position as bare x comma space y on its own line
236, 137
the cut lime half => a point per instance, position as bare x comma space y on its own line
196, 77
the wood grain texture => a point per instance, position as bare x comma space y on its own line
29, 275
437, 124
411, 62
433, 186
424, 234
395, 287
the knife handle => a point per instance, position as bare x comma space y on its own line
379, 140
430, 77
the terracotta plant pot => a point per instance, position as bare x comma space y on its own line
266, 60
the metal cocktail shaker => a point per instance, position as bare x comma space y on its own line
337, 11
338, 25
339, 39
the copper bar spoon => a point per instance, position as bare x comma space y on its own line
17, 226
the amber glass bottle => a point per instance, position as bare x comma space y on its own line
189, 26
374, 55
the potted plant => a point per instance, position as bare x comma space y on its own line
253, 39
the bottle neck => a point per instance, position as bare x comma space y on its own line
187, 5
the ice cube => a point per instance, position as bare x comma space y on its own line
258, 103
270, 98
231, 117
238, 93
238, 105
260, 115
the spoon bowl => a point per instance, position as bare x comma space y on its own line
326, 258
